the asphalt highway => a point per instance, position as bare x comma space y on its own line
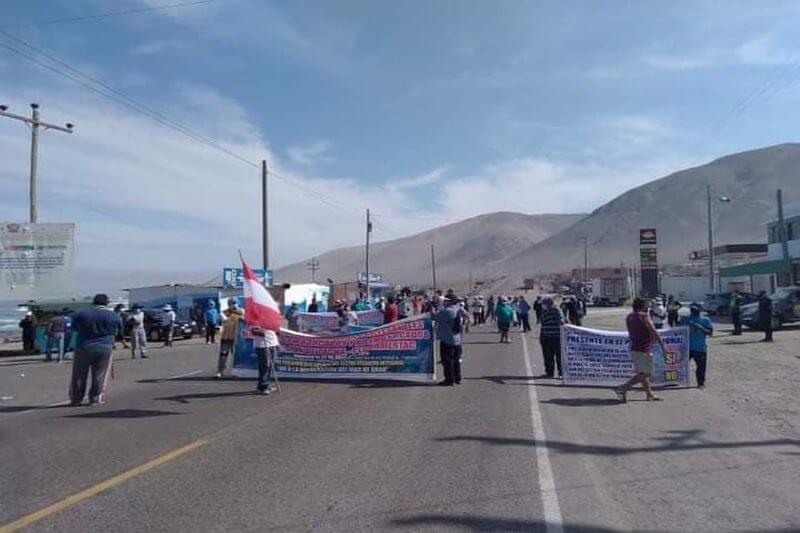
176, 450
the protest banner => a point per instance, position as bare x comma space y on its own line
599, 357
330, 322
402, 350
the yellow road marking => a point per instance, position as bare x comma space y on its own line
97, 489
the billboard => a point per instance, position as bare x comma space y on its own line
233, 278
648, 258
36, 261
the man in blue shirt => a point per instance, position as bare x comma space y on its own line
449, 321
700, 327
96, 329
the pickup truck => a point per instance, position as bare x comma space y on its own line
785, 308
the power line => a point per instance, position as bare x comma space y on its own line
109, 14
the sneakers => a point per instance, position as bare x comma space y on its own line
265, 392
446, 384
622, 394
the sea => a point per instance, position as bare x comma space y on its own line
10, 315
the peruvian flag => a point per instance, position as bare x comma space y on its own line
260, 308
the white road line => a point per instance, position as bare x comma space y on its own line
186, 375
554, 523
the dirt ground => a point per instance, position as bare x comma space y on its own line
753, 378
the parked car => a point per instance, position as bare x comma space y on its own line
152, 325
720, 303
785, 308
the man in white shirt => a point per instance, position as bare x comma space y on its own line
267, 346
138, 334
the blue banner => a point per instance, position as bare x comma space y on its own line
402, 350
599, 357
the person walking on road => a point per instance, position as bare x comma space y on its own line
673, 306
505, 315
765, 315
56, 333
736, 312
230, 329
267, 346
449, 323
96, 329
138, 333
537, 309
524, 314
167, 322
700, 327
491, 305
550, 337
28, 327
642, 334
212, 320
119, 309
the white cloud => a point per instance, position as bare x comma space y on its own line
311, 153
762, 51
426, 179
157, 47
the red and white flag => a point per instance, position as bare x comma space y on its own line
260, 308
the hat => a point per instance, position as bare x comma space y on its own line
167, 307
696, 307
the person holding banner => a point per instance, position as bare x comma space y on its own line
449, 321
642, 333
550, 337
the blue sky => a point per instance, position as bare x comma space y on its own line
441, 109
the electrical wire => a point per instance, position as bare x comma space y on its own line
132, 11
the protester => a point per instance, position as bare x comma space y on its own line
293, 317
56, 333
700, 327
449, 322
550, 337
490, 309
658, 314
573, 311
642, 333
198, 318
266, 344
765, 315
96, 329
230, 329
166, 324
524, 314
28, 326
138, 333
313, 307
736, 312
391, 313
673, 307
537, 309
119, 309
212, 319
505, 315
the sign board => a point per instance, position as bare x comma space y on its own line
648, 258
233, 278
374, 277
598, 357
36, 261
401, 350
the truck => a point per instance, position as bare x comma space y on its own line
611, 291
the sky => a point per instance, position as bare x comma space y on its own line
424, 112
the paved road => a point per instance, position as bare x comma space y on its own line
351, 456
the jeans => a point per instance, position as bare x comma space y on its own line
138, 342
700, 359
166, 335
526, 323
211, 333
58, 340
736, 318
451, 361
551, 352
98, 360
265, 356
225, 348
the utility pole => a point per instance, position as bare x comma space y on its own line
264, 215
369, 230
433, 268
585, 259
313, 266
35, 123
710, 240
784, 278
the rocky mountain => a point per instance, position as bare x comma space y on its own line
463, 249
676, 206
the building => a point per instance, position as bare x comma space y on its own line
764, 274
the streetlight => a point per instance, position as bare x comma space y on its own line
724, 200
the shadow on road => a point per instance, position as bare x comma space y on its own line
20, 408
583, 402
680, 440
187, 398
481, 342
124, 413
187, 378
487, 523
